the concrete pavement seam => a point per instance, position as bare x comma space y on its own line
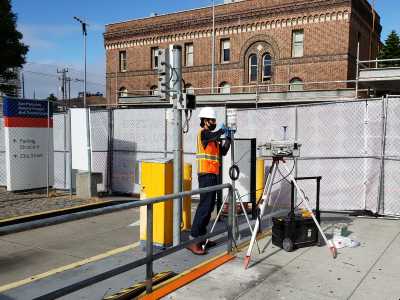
373, 265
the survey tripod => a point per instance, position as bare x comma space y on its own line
276, 161
234, 173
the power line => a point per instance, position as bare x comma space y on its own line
62, 66
56, 76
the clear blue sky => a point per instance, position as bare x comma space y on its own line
55, 38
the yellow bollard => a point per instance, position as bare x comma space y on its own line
260, 170
187, 201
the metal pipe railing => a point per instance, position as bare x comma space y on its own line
150, 256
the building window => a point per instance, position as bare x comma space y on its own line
225, 88
154, 91
154, 57
189, 89
296, 85
267, 67
123, 92
298, 43
253, 67
225, 51
189, 55
122, 61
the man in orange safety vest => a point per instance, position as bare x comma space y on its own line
210, 148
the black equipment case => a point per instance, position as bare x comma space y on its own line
296, 231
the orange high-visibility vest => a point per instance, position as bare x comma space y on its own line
208, 159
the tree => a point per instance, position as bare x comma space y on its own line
51, 97
13, 51
391, 49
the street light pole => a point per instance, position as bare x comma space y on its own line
89, 148
84, 31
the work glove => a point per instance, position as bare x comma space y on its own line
226, 130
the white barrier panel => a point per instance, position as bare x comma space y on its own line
29, 144
79, 139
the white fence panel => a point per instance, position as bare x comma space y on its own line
3, 173
99, 139
391, 205
138, 134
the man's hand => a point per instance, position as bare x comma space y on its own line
227, 131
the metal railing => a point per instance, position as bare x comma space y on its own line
150, 257
379, 63
263, 87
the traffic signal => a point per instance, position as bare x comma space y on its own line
163, 74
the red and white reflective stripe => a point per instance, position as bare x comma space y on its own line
28, 122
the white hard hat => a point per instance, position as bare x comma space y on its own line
207, 113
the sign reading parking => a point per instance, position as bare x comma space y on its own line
28, 128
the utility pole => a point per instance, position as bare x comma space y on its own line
69, 91
175, 87
63, 79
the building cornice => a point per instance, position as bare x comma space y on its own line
222, 19
261, 26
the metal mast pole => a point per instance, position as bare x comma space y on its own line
89, 150
175, 86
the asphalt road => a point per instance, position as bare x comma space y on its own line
33, 252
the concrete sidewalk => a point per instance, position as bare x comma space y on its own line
370, 271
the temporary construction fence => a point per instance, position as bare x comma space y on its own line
353, 145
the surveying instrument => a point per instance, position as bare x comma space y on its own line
234, 173
279, 151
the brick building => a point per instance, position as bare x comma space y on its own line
257, 43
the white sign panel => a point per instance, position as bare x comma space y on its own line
79, 141
29, 144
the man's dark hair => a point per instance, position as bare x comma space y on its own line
202, 122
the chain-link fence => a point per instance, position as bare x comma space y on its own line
390, 165
353, 145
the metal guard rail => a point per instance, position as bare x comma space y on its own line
150, 256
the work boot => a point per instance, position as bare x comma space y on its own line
196, 249
209, 244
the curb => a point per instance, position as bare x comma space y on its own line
66, 217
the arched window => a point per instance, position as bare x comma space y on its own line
154, 90
296, 84
224, 88
123, 92
189, 89
253, 68
267, 66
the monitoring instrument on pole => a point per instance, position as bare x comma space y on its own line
163, 74
187, 102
